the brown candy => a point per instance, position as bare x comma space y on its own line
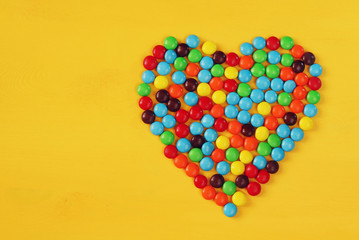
272, 167
217, 181
148, 117
190, 84
290, 118
241, 181
173, 105
219, 57
182, 50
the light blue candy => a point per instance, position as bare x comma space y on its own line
277, 154
310, 110
207, 148
270, 96
196, 128
156, 128
148, 76
183, 145
169, 121
315, 70
263, 83
259, 42
230, 210
297, 134
283, 130
210, 135
244, 117
246, 48
257, 95
257, 120
276, 84
231, 111
245, 103
206, 62
192, 41
204, 76
260, 162
289, 86
163, 68
245, 75
170, 56
160, 110
206, 164
191, 99
223, 168
288, 144
274, 57
233, 98
178, 77
207, 121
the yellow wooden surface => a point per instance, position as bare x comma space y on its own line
76, 162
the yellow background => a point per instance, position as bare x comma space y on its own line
76, 162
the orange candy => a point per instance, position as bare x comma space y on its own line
297, 51
192, 69
300, 92
296, 106
175, 91
246, 62
234, 127
271, 123
286, 74
250, 143
192, 170
216, 83
217, 111
218, 155
221, 199
236, 141
301, 79
180, 161
278, 111
208, 192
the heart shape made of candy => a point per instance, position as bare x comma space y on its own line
228, 119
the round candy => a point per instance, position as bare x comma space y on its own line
217, 70
220, 124
167, 138
230, 210
173, 105
259, 162
194, 56
287, 60
263, 176
163, 68
178, 77
192, 170
288, 144
183, 145
308, 58
277, 154
145, 103
246, 62
210, 135
206, 164
148, 117
244, 90
315, 70
219, 57
245, 156
237, 168
272, 167
156, 128
207, 121
161, 82
277, 84
148, 76
245, 103
160, 110
191, 99
229, 188
306, 123
274, 57
232, 59
313, 97
239, 199
232, 154
209, 47
221, 199
274, 140
264, 148
259, 56
298, 66
264, 108
273, 43
284, 99
283, 131
175, 91
150, 62
232, 98
251, 171
162, 96
180, 160
259, 42
195, 154
208, 192
216, 181
271, 123
297, 51
263, 83
289, 86
290, 118
310, 110
143, 89
182, 50
244, 75
180, 63
182, 130
196, 128
222, 142
262, 133
272, 71
223, 168
278, 111
206, 62
200, 181
257, 120
270, 96
253, 188
231, 73
219, 97
314, 83
170, 43
203, 89
286, 43
170, 56
258, 69
192, 41
246, 48
170, 151
168, 121
242, 181
297, 134
257, 95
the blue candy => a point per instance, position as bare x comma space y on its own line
169, 121
259, 42
244, 117
204, 76
315, 70
274, 57
207, 148
231, 111
260, 162
206, 164
283, 130
277, 154
257, 95
163, 68
178, 77
257, 120
207, 121
206, 62
288, 144
170, 56
183, 145
310, 110
160, 110
297, 134
245, 103
223, 168
289, 86
233, 98
246, 48
245, 75
230, 210
191, 99
210, 135
192, 41
196, 128
276, 84
148, 76
156, 128
263, 83
270, 96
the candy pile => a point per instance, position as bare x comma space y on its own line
228, 119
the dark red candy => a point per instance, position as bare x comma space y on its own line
308, 58
182, 130
248, 130
182, 50
196, 113
182, 116
232, 59
200, 181
162, 96
197, 141
263, 176
251, 171
298, 66
170, 151
314, 83
173, 104
290, 118
220, 124
205, 103
190, 84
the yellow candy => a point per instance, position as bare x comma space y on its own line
203, 89
264, 108
209, 47
245, 156
237, 168
219, 97
306, 123
231, 73
239, 198
161, 82
262, 133
222, 142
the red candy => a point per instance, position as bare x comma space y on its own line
230, 85
253, 188
232, 59
159, 52
182, 116
314, 83
150, 62
263, 176
205, 103
273, 43
170, 151
145, 103
200, 181
182, 130
196, 113
251, 171
220, 124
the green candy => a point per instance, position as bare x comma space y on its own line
286, 43
272, 71
167, 138
287, 60
259, 56
170, 43
284, 99
194, 56
180, 63
264, 148
195, 154
232, 154
313, 97
143, 89
258, 69
244, 90
274, 140
217, 70
229, 188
